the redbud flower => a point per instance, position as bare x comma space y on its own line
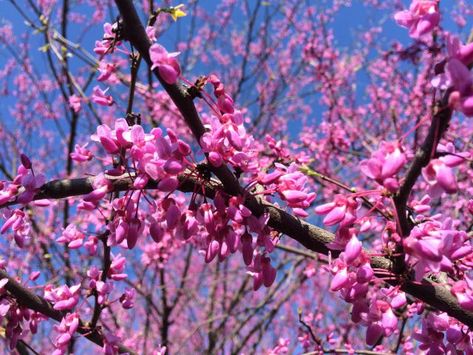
458, 50
66, 330
165, 62
99, 97
462, 81
72, 236
342, 210
128, 298
75, 103
63, 297
384, 164
109, 39
81, 154
421, 18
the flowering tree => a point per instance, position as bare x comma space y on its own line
228, 178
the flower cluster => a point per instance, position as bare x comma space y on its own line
440, 334
422, 17
72, 237
153, 156
63, 297
291, 185
66, 329
110, 39
229, 227
384, 164
439, 173
455, 74
435, 246
18, 221
24, 186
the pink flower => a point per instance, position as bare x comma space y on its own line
440, 177
18, 222
109, 39
281, 348
75, 103
165, 62
101, 187
463, 291
66, 329
460, 78
340, 280
63, 297
160, 350
99, 97
262, 271
439, 173
384, 164
72, 237
107, 71
421, 18
116, 268
128, 298
30, 182
458, 50
342, 210
352, 250
81, 154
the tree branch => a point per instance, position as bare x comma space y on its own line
36, 303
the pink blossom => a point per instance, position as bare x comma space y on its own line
99, 97
101, 187
281, 348
458, 50
463, 291
421, 18
160, 350
107, 72
342, 211
66, 329
384, 163
440, 177
18, 221
262, 271
127, 299
109, 39
165, 62
63, 297
436, 246
439, 174
72, 237
460, 78
75, 103
117, 267
352, 249
81, 154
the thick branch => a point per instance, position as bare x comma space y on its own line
312, 237
439, 125
26, 298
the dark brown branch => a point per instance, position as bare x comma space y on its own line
26, 298
439, 125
